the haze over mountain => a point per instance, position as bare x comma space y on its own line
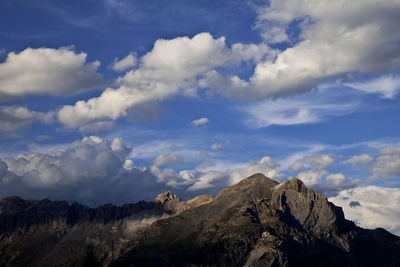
256, 222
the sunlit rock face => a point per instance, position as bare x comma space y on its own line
256, 222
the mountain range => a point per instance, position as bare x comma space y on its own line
256, 222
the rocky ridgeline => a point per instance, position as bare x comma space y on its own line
256, 222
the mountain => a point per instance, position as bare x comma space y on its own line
256, 222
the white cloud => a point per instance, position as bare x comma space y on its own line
167, 70
311, 178
92, 171
216, 146
336, 178
386, 166
320, 161
128, 165
297, 166
13, 118
379, 206
359, 159
265, 165
47, 71
216, 175
334, 38
311, 108
167, 159
388, 86
171, 68
125, 63
200, 121
314, 161
391, 150
207, 180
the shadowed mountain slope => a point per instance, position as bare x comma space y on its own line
256, 222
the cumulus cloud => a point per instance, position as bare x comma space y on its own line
328, 184
92, 171
316, 162
171, 68
388, 86
207, 180
311, 177
265, 165
386, 166
213, 177
13, 118
47, 71
336, 178
334, 38
125, 63
313, 171
165, 71
200, 121
167, 159
377, 206
320, 161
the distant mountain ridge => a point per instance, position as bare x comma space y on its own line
256, 222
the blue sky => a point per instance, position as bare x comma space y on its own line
117, 101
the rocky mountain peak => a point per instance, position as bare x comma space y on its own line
256, 186
312, 211
167, 196
11, 204
295, 184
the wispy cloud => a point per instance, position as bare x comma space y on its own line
311, 108
388, 86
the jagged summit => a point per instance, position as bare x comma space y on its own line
256, 222
166, 196
11, 204
294, 184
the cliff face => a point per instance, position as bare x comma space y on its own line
256, 222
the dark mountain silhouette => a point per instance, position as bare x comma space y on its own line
256, 222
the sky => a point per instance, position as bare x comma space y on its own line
115, 101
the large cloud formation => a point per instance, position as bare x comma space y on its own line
39, 71
171, 68
371, 206
333, 38
385, 165
92, 171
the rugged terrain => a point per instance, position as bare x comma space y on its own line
256, 222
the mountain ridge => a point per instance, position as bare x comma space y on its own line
252, 223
